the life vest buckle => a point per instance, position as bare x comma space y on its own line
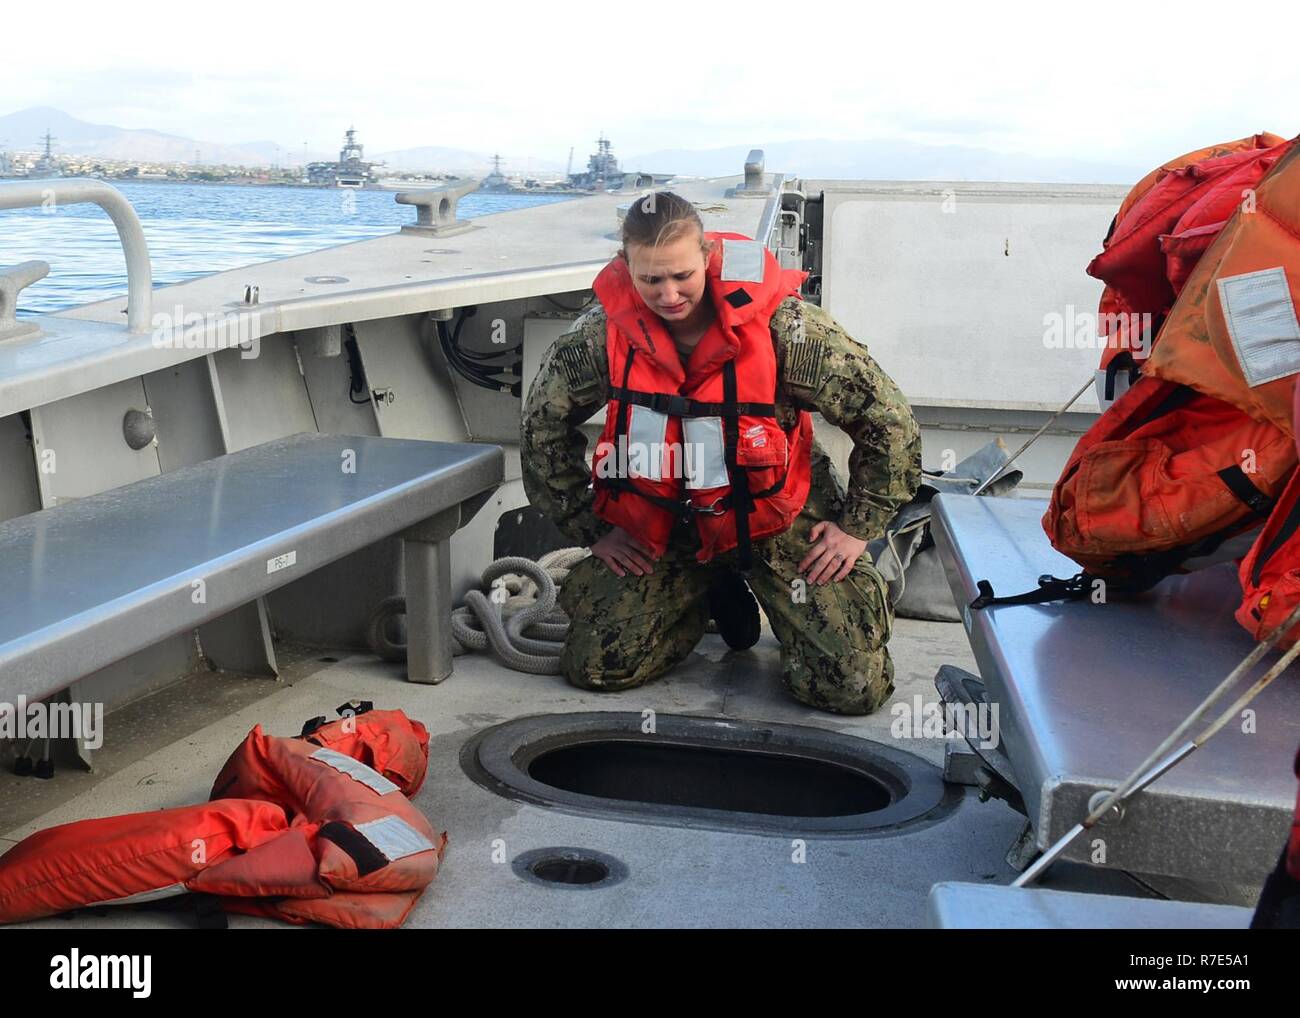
716, 509
672, 405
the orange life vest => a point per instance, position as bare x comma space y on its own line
385, 740
701, 441
1159, 479
296, 830
1173, 469
369, 838
1270, 572
1163, 226
1233, 333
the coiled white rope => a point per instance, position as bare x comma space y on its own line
515, 614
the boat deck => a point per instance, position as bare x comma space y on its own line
676, 875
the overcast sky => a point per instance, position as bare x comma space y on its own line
1120, 82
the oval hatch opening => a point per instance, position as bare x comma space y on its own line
718, 773
670, 774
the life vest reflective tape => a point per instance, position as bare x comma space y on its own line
1233, 334
701, 441
386, 740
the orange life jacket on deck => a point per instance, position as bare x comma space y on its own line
701, 440
369, 839
296, 831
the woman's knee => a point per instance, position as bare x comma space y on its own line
615, 653
861, 682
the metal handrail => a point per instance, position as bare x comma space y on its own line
22, 194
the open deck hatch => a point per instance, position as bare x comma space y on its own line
707, 772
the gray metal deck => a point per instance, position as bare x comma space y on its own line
1088, 690
677, 876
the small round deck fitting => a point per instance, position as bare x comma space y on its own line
580, 869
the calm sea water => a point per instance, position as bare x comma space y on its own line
197, 229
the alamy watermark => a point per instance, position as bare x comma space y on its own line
77, 971
40, 720
1089, 330
179, 330
935, 719
639, 459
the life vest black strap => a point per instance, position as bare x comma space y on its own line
1123, 359
726, 502
208, 913
1050, 588
1236, 481
1284, 533
356, 845
684, 406
620, 424
742, 499
680, 508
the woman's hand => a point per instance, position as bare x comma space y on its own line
621, 551
833, 554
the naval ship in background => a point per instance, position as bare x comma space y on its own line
349, 170
152, 440
602, 174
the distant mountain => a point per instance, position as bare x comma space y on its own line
875, 159
883, 159
23, 131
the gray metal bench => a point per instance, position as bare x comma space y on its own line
957, 906
88, 583
1086, 691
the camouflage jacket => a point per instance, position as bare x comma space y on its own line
819, 367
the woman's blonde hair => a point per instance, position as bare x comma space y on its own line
660, 217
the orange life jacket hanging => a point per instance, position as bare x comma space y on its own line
702, 440
1164, 224
1233, 333
1160, 478
1173, 469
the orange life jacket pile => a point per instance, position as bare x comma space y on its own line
1201, 449
317, 828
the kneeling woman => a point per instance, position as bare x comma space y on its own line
709, 364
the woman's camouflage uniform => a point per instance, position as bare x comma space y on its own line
628, 630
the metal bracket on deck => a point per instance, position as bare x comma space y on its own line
754, 185
12, 282
435, 214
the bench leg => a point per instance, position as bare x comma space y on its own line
426, 551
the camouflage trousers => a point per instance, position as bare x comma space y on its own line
631, 629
